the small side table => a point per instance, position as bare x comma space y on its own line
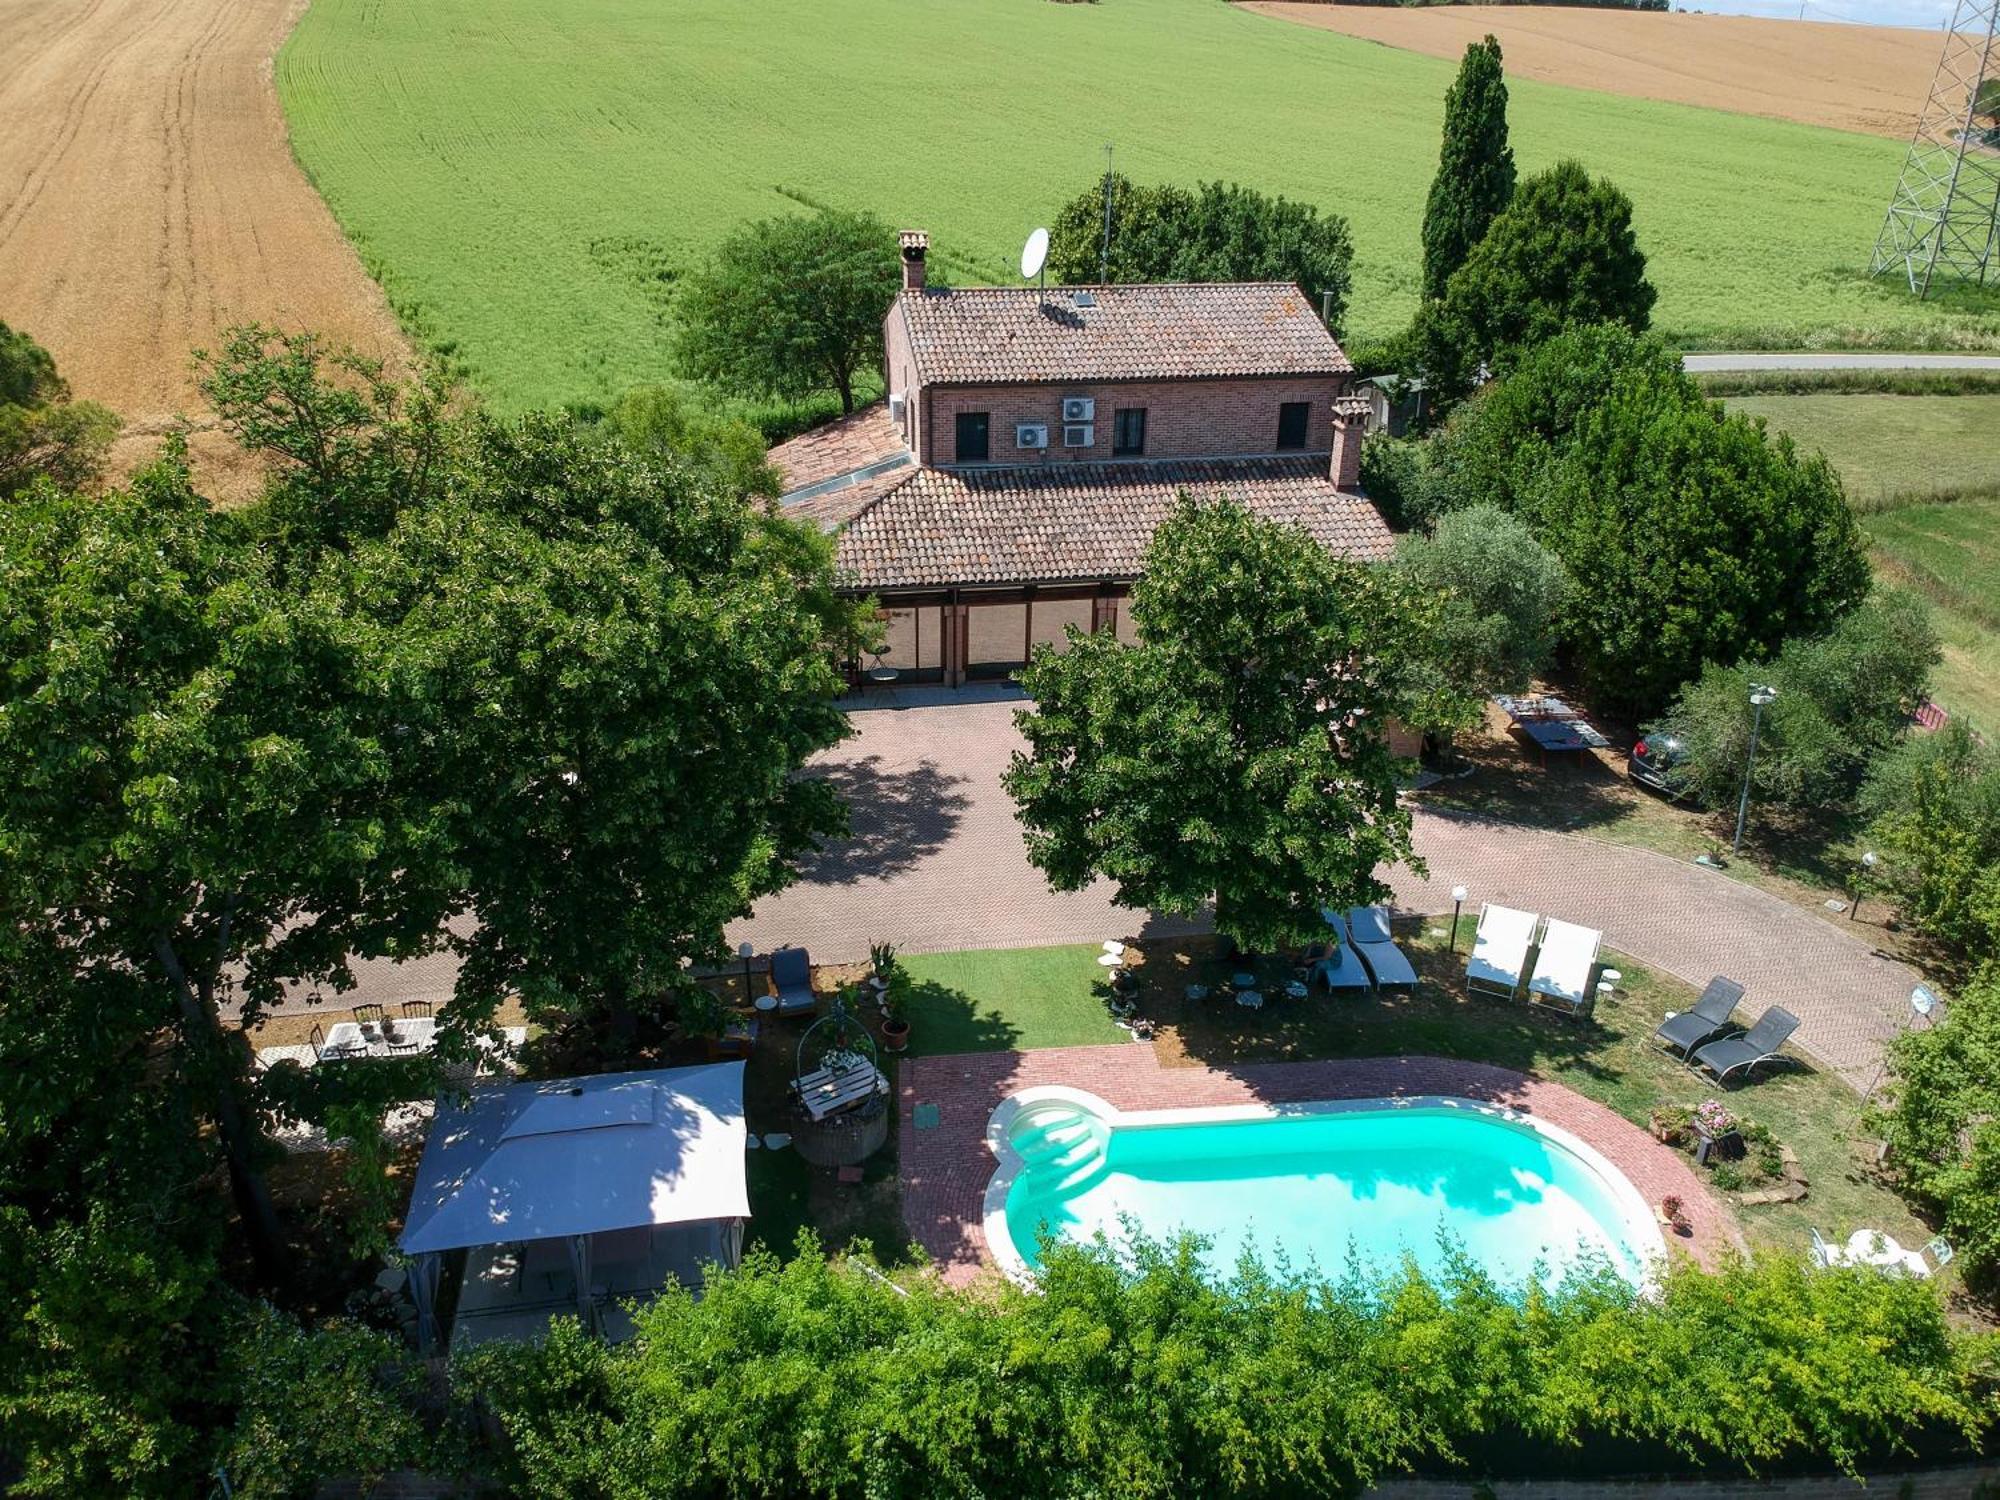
766, 1003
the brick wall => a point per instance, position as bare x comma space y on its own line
1184, 418
899, 375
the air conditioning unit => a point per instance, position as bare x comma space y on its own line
1031, 435
1079, 409
1079, 434
897, 403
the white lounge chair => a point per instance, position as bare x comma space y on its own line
1340, 968
1368, 926
1500, 951
1563, 968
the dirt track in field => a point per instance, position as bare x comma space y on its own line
1867, 78
149, 200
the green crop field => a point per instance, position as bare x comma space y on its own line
526, 177
1894, 453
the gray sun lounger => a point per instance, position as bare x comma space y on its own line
1340, 968
1759, 1044
1368, 927
791, 976
1708, 1019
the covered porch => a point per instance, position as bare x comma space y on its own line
576, 1195
955, 636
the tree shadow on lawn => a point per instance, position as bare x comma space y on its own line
944, 1020
1434, 1018
898, 819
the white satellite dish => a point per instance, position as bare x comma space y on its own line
1035, 254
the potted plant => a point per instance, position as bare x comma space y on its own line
1673, 1215
1714, 1124
1669, 1125
895, 1018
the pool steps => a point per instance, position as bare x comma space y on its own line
1061, 1140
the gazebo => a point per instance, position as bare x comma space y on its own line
615, 1184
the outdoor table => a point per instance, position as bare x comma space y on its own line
345, 1039
827, 1091
767, 1003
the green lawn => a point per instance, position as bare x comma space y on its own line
1046, 997
1890, 448
1894, 452
527, 177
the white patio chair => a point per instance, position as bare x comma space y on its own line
1500, 951
1563, 967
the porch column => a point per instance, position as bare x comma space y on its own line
579, 1265
957, 624
423, 1285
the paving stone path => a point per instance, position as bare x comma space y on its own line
937, 863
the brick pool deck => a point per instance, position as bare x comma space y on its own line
945, 1169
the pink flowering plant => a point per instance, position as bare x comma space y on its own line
1713, 1120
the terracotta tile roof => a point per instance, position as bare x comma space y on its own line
1074, 522
854, 442
1001, 335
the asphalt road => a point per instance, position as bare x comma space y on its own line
1701, 364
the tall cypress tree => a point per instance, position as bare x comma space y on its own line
1475, 175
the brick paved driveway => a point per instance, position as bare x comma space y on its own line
937, 863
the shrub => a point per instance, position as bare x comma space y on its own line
1843, 698
1942, 1123
810, 1378
1934, 810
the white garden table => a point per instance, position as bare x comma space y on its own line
345, 1039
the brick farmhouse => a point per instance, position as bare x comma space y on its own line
1032, 441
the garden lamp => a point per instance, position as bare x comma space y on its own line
1458, 894
745, 951
1868, 863
1760, 695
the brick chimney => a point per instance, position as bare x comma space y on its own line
1350, 425
914, 244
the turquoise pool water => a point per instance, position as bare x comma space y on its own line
1360, 1186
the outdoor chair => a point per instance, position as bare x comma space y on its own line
1760, 1044
316, 1039
415, 1010
368, 1015
1500, 951
405, 1047
1564, 966
1339, 967
1368, 927
791, 977
1708, 1019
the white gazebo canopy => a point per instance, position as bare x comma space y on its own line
579, 1156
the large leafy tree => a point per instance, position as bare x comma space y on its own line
197, 790
1691, 535
1500, 595
612, 671
1235, 755
1562, 253
790, 305
1475, 175
43, 433
1217, 232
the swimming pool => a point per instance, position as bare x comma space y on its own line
1365, 1181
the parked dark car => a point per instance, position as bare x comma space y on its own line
1653, 758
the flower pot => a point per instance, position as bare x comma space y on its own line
896, 1034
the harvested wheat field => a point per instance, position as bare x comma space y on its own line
148, 200
1865, 78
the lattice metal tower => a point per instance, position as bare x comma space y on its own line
1944, 221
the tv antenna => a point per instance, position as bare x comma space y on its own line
1945, 216
1104, 255
1035, 260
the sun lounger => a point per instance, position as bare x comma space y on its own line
1500, 951
791, 976
1708, 1020
1564, 967
1340, 967
1759, 1044
1368, 927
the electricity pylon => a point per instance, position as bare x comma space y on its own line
1945, 218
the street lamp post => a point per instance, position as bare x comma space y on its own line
1759, 696
1457, 905
1868, 863
745, 951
